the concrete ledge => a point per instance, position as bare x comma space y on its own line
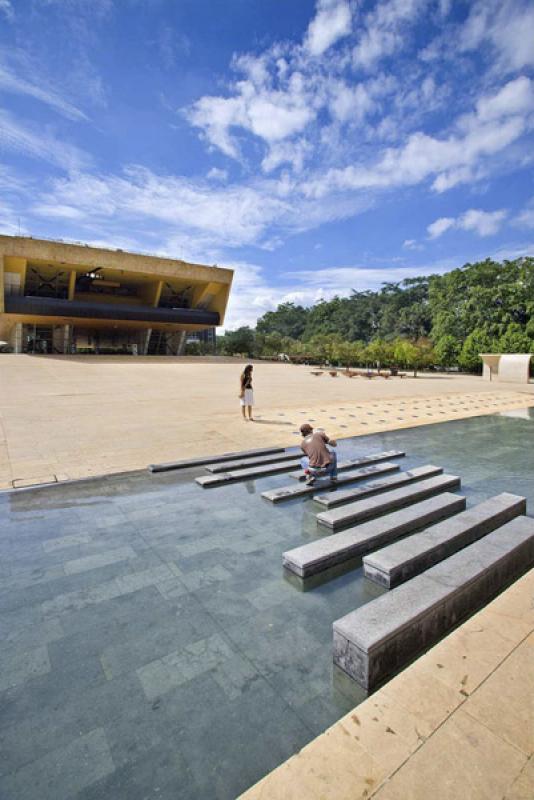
199, 462
244, 463
297, 490
397, 498
272, 469
356, 462
377, 640
402, 560
310, 559
210, 481
333, 499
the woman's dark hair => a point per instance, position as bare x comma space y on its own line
245, 375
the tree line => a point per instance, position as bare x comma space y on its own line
441, 320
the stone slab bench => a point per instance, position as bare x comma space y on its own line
200, 462
232, 476
333, 499
300, 490
377, 640
244, 463
318, 556
388, 501
357, 462
402, 560
259, 471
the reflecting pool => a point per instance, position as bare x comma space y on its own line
152, 646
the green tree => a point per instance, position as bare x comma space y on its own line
380, 353
447, 350
477, 342
414, 355
239, 342
288, 320
515, 340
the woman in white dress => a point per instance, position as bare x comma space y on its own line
246, 394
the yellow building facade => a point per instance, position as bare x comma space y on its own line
57, 297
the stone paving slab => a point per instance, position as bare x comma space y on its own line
378, 639
389, 501
222, 478
63, 772
314, 557
404, 742
188, 463
243, 463
333, 499
355, 462
290, 492
402, 560
210, 481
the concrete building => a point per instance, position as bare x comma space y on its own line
506, 367
57, 297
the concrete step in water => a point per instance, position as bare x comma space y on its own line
402, 560
318, 556
334, 499
232, 476
300, 490
397, 498
357, 462
244, 463
377, 640
199, 462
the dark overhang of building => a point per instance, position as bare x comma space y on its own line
52, 307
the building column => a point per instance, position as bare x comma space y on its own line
145, 339
176, 342
67, 338
16, 337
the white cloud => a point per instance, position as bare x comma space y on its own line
525, 218
216, 174
10, 222
331, 23
516, 97
11, 82
483, 223
450, 160
439, 227
506, 26
268, 113
412, 244
36, 143
351, 102
229, 216
384, 30
195, 215
6, 8
55, 210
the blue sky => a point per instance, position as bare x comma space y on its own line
314, 147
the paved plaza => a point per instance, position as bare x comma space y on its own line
70, 417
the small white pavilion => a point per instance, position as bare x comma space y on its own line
506, 367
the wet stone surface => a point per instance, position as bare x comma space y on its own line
152, 645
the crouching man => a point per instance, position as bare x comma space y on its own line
318, 461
